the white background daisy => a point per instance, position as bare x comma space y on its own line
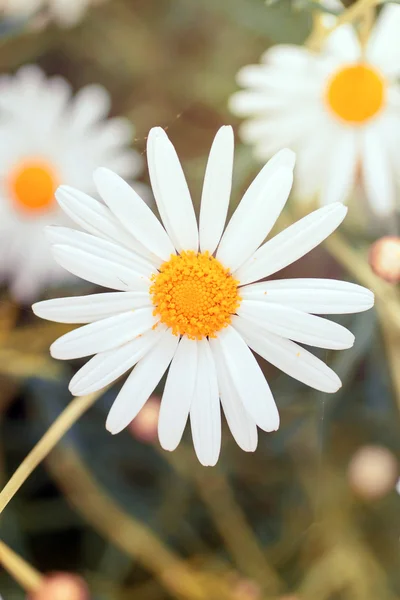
338, 109
49, 137
63, 12
186, 297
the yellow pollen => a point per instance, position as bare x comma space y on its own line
32, 185
356, 93
194, 295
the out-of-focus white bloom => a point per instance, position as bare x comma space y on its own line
338, 109
64, 12
186, 296
49, 137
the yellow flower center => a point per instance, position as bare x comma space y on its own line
356, 93
194, 295
32, 185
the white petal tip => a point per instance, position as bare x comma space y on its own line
36, 309
63, 192
168, 447
101, 172
112, 428
54, 351
289, 157
208, 463
226, 130
156, 132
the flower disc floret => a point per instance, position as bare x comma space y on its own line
356, 93
194, 295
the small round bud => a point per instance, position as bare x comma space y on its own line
384, 258
62, 586
372, 472
144, 426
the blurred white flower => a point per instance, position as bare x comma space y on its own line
186, 295
49, 137
64, 12
338, 109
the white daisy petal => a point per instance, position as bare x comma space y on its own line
343, 44
91, 103
87, 309
49, 136
236, 245
178, 394
106, 367
247, 378
95, 218
341, 168
288, 55
99, 247
296, 325
292, 243
377, 174
316, 296
383, 48
100, 271
171, 191
205, 412
216, 190
141, 383
133, 213
103, 335
247, 103
242, 426
289, 357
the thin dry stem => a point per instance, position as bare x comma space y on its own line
355, 12
53, 435
229, 520
22, 572
127, 533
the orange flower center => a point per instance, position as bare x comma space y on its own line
32, 185
194, 295
356, 93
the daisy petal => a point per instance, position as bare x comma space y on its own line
242, 426
178, 394
103, 335
171, 191
205, 412
289, 357
343, 44
95, 218
99, 247
91, 103
141, 383
249, 103
383, 48
316, 296
87, 309
100, 271
341, 168
106, 367
292, 243
247, 378
133, 213
216, 190
297, 325
377, 173
237, 245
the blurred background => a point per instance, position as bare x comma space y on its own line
314, 513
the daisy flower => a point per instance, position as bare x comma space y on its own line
64, 12
338, 109
187, 298
48, 137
